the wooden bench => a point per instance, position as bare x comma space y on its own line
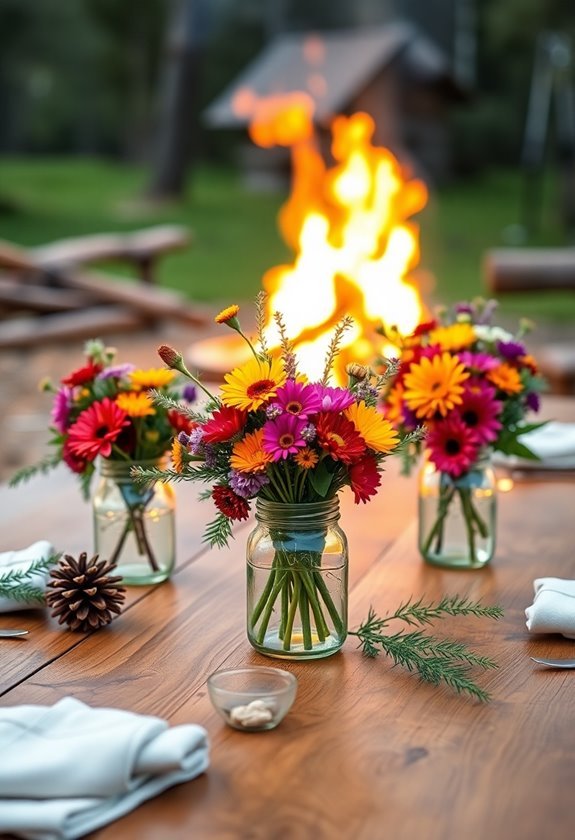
52, 281
545, 270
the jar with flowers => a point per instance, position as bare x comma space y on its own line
470, 384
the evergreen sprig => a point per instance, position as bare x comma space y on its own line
218, 532
16, 585
42, 467
171, 404
435, 660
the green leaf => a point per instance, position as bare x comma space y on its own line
320, 479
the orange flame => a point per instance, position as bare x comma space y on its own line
349, 227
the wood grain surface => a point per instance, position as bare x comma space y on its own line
367, 751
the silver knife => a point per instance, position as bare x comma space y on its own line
555, 663
7, 634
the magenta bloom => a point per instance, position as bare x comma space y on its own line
282, 437
61, 406
453, 446
478, 362
480, 411
333, 399
298, 399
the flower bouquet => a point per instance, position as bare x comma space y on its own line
291, 445
471, 384
105, 411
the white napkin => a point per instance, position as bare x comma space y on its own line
553, 608
20, 561
69, 769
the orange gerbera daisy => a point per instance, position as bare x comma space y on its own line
135, 404
377, 432
506, 378
529, 362
151, 378
434, 385
177, 456
454, 337
306, 458
250, 386
248, 454
393, 406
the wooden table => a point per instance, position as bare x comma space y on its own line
367, 751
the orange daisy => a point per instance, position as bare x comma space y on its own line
136, 404
227, 314
248, 455
434, 385
177, 456
506, 378
306, 458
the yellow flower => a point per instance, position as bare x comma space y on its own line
152, 378
248, 454
377, 432
506, 378
306, 458
227, 314
135, 404
177, 455
453, 337
250, 386
434, 385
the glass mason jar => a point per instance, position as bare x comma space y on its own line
457, 516
297, 580
134, 524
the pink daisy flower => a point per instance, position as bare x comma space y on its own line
298, 398
453, 446
478, 362
333, 399
282, 437
61, 406
480, 411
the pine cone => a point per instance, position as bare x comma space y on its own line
84, 596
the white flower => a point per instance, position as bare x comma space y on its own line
486, 333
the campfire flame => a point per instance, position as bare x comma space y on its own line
349, 226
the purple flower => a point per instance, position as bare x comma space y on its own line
282, 437
273, 410
247, 485
511, 349
116, 371
334, 399
487, 312
61, 408
210, 455
298, 399
309, 433
195, 441
365, 391
184, 438
189, 393
533, 401
464, 308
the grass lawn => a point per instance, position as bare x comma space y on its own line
236, 238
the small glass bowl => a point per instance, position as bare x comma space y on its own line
252, 699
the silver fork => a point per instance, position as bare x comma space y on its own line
9, 634
555, 663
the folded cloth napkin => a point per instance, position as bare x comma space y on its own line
553, 443
69, 769
553, 608
21, 561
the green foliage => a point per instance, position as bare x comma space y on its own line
26, 473
16, 585
434, 660
219, 531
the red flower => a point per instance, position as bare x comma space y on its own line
77, 465
364, 478
82, 375
425, 327
338, 435
96, 429
229, 503
224, 424
180, 422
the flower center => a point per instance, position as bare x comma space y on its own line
336, 439
286, 440
452, 446
435, 387
262, 386
470, 418
294, 407
101, 432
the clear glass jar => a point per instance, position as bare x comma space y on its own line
457, 516
297, 580
134, 524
